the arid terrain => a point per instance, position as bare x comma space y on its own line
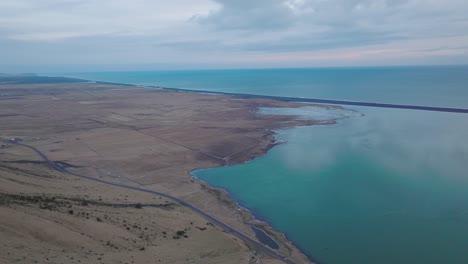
137, 137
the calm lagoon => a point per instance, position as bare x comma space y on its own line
387, 187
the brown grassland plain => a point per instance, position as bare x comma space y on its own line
135, 136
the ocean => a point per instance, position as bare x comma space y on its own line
387, 186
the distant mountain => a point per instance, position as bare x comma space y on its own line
18, 75
27, 75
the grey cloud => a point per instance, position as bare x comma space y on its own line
337, 39
149, 31
281, 14
317, 24
248, 15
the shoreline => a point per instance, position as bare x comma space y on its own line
249, 218
278, 97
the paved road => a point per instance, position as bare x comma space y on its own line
224, 226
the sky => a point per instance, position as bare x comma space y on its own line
90, 35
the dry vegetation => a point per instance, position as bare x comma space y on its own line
47, 217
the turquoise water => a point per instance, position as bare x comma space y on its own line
387, 187
437, 86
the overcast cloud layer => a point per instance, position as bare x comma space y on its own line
146, 34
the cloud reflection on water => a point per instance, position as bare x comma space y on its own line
410, 142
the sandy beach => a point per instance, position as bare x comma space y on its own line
137, 137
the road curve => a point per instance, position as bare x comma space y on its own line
224, 226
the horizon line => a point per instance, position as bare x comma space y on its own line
158, 68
